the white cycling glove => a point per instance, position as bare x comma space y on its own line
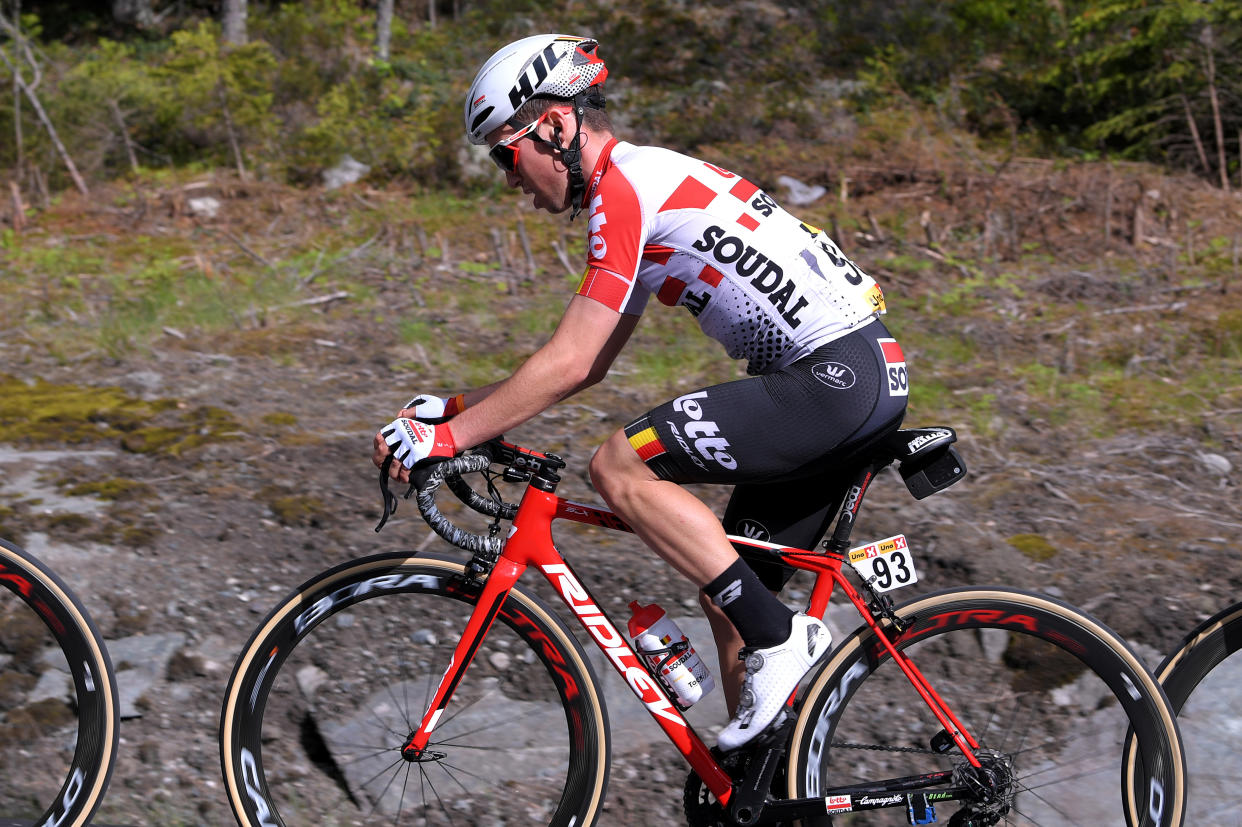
434, 408
413, 441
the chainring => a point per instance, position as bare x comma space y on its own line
702, 808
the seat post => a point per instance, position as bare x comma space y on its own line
840, 540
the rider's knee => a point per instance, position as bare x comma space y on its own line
603, 465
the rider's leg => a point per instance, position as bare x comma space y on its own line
684, 532
782, 646
728, 644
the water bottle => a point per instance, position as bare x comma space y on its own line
669, 655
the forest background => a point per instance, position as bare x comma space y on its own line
201, 326
281, 90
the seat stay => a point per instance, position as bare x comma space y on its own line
831, 565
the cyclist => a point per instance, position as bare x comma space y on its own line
826, 376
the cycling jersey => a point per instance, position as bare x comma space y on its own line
767, 286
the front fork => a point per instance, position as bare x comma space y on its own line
495, 590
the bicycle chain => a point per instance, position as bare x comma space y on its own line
878, 748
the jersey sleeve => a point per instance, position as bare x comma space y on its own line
614, 246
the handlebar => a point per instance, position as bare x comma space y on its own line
519, 464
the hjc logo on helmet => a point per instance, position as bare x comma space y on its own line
540, 65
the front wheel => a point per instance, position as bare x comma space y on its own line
1049, 693
58, 701
330, 687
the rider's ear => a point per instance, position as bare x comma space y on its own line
561, 119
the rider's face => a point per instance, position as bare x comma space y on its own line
540, 172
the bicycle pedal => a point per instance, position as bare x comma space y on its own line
919, 810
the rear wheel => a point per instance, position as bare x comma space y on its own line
58, 713
328, 690
1049, 693
1203, 679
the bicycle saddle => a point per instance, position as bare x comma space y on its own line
926, 458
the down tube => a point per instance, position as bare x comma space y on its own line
622, 657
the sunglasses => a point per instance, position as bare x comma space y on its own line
505, 152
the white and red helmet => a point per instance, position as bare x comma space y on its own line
544, 65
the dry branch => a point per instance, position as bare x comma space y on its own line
331, 297
19, 208
47, 123
561, 254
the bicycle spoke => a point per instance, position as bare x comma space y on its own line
1050, 727
505, 727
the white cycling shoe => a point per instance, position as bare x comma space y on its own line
771, 675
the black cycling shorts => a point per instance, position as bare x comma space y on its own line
784, 439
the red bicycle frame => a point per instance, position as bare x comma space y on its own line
530, 543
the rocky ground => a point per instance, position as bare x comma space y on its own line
1157, 526
268, 481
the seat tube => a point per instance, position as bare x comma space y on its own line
495, 590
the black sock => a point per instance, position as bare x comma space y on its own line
758, 616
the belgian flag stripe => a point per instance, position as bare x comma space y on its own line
647, 444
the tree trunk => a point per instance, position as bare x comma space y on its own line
234, 143
1210, 67
47, 124
19, 143
120, 125
383, 29
1194, 133
234, 13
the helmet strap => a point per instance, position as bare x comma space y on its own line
572, 156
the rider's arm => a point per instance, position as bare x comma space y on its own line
583, 347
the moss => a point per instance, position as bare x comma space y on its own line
67, 522
125, 527
22, 635
1034, 546
43, 412
118, 489
13, 688
1037, 666
280, 419
40, 717
136, 536
8, 526
128, 620
294, 509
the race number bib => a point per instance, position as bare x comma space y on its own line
885, 564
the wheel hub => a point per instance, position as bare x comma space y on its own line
421, 756
992, 783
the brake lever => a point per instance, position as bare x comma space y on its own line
390, 499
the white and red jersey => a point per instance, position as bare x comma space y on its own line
768, 287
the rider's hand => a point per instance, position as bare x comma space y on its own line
411, 441
433, 409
